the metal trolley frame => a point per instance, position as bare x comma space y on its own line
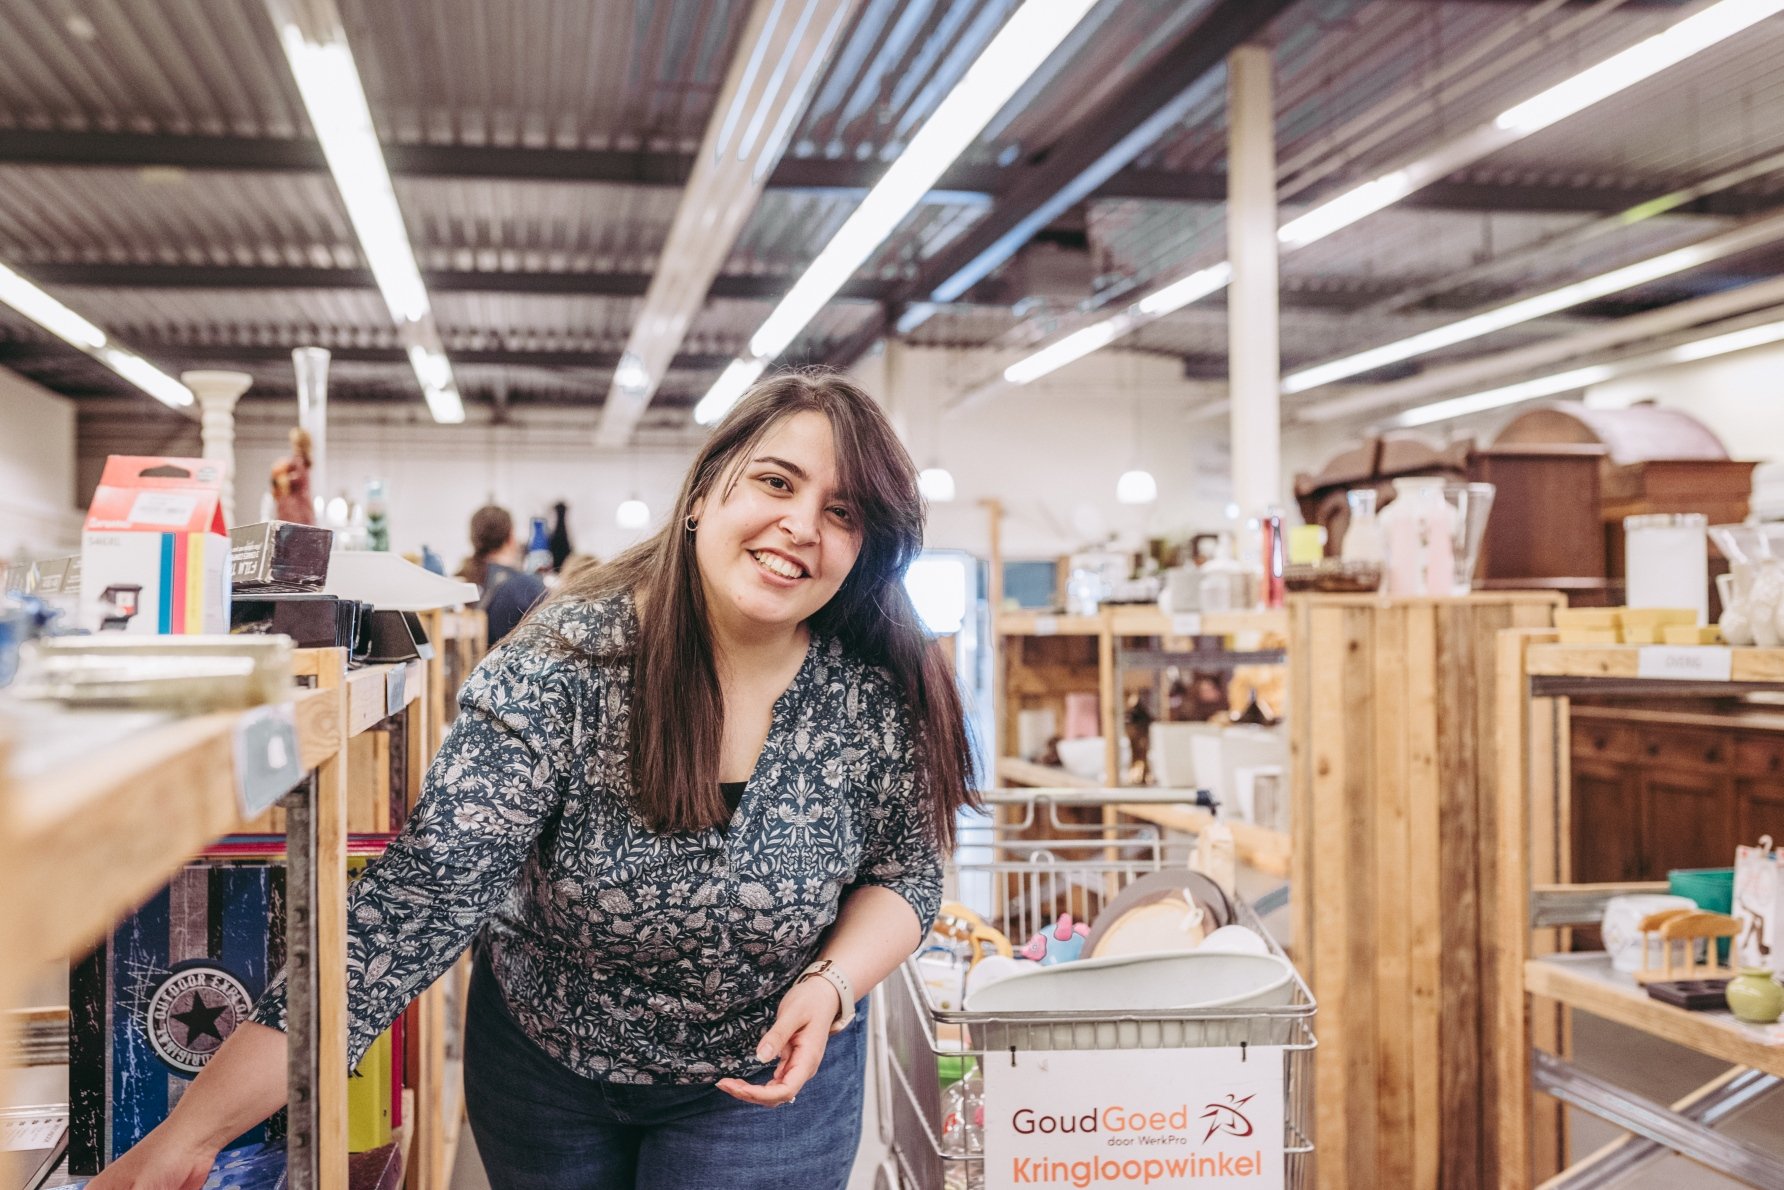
1018, 873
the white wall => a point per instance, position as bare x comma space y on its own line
38, 517
1052, 451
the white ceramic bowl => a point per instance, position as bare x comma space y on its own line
1234, 940
1084, 757
1144, 983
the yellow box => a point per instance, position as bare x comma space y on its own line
1588, 617
1588, 636
1657, 617
1694, 634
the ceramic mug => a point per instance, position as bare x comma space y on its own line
1622, 927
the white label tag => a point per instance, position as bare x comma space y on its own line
168, 509
266, 759
396, 690
1211, 1119
1699, 663
1046, 625
1186, 624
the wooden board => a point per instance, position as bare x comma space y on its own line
1586, 981
1266, 850
1394, 857
120, 821
1621, 661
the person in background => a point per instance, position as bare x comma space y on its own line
509, 593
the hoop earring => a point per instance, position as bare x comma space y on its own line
690, 522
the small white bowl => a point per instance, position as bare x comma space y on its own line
1234, 940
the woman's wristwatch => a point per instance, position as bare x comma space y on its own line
827, 969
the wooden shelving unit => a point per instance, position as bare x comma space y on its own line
115, 803
1536, 983
1029, 673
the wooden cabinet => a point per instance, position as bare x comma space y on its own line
1657, 790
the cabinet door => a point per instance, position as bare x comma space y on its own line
1761, 810
1607, 822
1688, 821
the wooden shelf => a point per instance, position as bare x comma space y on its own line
376, 692
1264, 849
1041, 776
1047, 624
119, 820
1623, 661
1141, 620
1588, 981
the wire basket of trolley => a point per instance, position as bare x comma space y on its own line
1090, 1011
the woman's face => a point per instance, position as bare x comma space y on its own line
774, 548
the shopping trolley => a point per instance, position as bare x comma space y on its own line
1039, 856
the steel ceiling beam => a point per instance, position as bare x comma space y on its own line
961, 185
28, 353
1083, 157
564, 284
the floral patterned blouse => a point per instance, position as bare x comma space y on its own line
632, 956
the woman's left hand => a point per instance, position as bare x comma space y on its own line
800, 1033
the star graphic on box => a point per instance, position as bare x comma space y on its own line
201, 1019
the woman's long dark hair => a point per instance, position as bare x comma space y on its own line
677, 705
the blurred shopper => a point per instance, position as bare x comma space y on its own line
509, 593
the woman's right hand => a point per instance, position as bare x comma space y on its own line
158, 1162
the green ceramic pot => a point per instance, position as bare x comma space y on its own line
1755, 996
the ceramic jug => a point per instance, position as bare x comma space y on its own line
1755, 996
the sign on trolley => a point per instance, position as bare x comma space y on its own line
1207, 1119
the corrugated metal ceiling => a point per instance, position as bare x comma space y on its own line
642, 74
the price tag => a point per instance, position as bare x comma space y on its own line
1046, 625
1203, 1118
1698, 663
396, 689
1186, 624
266, 760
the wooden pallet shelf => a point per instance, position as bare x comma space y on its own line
1587, 981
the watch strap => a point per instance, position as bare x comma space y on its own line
827, 969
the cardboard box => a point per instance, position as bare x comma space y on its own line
155, 551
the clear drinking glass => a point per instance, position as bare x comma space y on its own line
1473, 503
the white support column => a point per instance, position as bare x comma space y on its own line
1254, 362
217, 393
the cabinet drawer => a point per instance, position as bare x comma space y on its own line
1608, 741
1759, 755
1685, 748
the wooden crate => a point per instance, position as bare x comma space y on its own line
1394, 842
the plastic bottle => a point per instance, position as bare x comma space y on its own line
1216, 857
538, 560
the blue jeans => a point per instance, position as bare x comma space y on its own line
541, 1126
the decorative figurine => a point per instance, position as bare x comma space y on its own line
291, 482
1060, 942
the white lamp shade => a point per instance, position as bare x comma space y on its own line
632, 514
936, 484
1136, 487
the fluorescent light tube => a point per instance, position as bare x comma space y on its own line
1024, 42
1753, 336
1346, 209
1536, 306
1074, 346
732, 383
47, 312
1511, 394
328, 82
445, 405
1192, 288
146, 376
1643, 60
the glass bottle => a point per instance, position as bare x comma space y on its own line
1362, 540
